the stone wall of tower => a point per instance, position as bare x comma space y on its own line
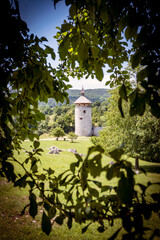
83, 120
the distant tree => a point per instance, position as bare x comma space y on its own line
97, 103
46, 109
72, 136
58, 132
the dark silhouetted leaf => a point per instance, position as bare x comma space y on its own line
101, 229
33, 209
116, 153
94, 192
123, 92
120, 106
46, 224
21, 182
85, 228
99, 71
36, 144
69, 222
52, 212
125, 191
66, 27
60, 219
114, 235
73, 10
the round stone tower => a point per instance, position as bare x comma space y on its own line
83, 116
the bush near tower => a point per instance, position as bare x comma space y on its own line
58, 132
72, 136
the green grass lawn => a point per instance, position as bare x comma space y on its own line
12, 200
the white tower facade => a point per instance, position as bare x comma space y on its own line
83, 116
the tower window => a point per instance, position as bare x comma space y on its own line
80, 118
84, 111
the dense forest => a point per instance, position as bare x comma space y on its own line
100, 94
63, 115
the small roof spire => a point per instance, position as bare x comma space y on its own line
82, 91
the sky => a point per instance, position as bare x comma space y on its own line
42, 19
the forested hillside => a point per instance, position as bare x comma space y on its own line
94, 95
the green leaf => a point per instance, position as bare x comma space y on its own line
92, 149
88, 27
114, 235
141, 75
73, 10
95, 51
46, 224
11, 120
137, 105
156, 197
69, 222
95, 165
85, 228
99, 71
130, 32
50, 50
136, 59
82, 51
101, 229
33, 209
111, 172
72, 167
43, 39
84, 175
105, 188
93, 192
59, 220
125, 191
116, 153
80, 159
36, 144
21, 182
41, 177
50, 171
52, 212
8, 169
123, 92
127, 223
98, 184
66, 27
120, 107
75, 41
63, 47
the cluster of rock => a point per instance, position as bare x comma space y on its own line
55, 150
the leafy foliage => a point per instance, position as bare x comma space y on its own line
97, 34
92, 38
19, 69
